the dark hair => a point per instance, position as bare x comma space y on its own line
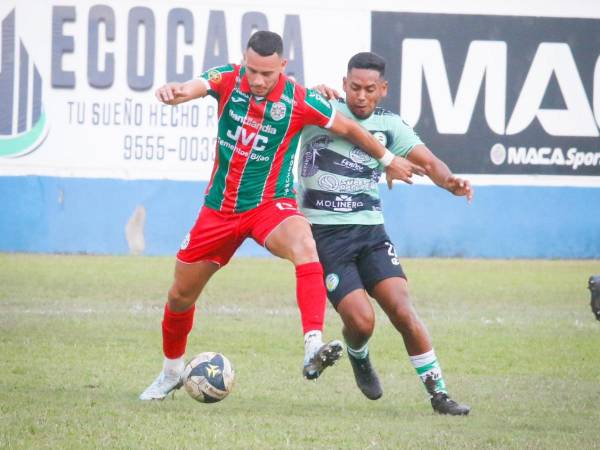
367, 60
265, 43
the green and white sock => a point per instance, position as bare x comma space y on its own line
360, 353
429, 371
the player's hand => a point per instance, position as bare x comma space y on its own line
170, 93
327, 92
402, 169
459, 187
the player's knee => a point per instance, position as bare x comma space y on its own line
303, 250
404, 316
179, 300
362, 324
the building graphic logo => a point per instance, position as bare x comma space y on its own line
23, 123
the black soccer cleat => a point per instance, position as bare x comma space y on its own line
442, 404
594, 287
327, 355
366, 377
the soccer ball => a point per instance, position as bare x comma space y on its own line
208, 377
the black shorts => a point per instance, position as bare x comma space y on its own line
355, 257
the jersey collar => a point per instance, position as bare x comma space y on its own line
275, 93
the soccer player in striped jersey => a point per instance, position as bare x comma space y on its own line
250, 194
339, 195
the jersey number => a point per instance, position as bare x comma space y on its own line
392, 253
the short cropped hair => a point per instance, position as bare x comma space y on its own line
265, 43
367, 60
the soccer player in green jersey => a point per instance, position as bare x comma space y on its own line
250, 194
339, 196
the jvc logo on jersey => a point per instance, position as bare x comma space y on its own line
467, 83
247, 137
23, 124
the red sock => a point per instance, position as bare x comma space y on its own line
175, 329
311, 295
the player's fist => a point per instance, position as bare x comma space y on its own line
170, 93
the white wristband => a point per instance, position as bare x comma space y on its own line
387, 158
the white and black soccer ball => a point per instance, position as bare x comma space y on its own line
208, 377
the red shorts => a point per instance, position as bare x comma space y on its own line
216, 236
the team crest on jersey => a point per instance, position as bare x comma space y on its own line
332, 281
381, 137
278, 110
214, 76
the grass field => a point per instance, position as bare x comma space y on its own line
80, 338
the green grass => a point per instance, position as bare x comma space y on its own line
80, 338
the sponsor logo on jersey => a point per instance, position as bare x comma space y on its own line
278, 110
331, 183
354, 166
287, 99
311, 153
359, 156
343, 203
319, 98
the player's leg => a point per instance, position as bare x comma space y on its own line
392, 295
286, 234
339, 247
178, 319
358, 316
386, 282
209, 247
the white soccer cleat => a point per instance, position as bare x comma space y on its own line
317, 361
162, 386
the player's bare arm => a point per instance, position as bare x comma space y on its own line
439, 172
176, 93
397, 168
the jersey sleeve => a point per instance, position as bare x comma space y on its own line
404, 137
218, 79
318, 110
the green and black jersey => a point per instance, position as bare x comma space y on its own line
338, 182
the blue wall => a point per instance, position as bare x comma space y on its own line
76, 215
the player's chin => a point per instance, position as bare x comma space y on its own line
362, 113
258, 92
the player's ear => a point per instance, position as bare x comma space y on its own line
384, 88
283, 64
344, 81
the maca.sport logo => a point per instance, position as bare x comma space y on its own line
23, 122
468, 82
543, 156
